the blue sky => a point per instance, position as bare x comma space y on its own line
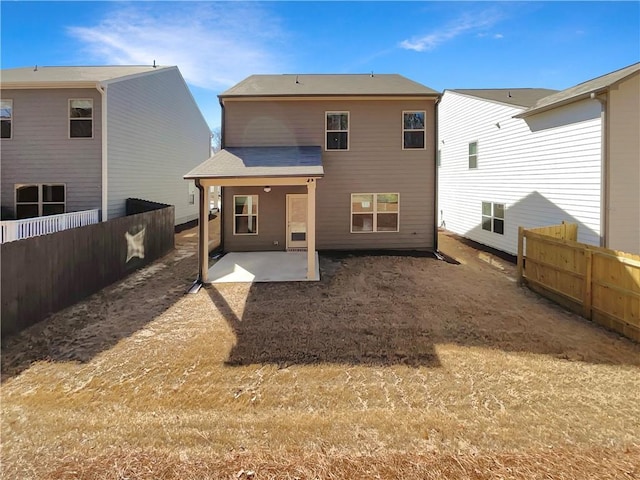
440, 44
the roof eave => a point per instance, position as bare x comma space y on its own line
328, 95
190, 176
561, 103
42, 85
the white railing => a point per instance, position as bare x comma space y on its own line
11, 230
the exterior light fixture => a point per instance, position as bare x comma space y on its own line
267, 189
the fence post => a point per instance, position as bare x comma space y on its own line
586, 301
520, 255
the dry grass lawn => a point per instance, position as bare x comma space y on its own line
389, 367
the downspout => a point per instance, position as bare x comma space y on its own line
435, 177
103, 128
203, 240
222, 145
604, 169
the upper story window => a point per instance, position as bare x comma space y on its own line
6, 117
337, 128
473, 155
81, 118
413, 130
38, 200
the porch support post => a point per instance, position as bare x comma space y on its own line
203, 232
311, 229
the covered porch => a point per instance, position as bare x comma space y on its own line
257, 254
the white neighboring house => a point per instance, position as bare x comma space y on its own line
532, 157
87, 138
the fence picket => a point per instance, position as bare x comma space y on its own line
601, 284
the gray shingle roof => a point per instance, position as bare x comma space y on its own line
327, 85
52, 75
519, 97
235, 162
583, 90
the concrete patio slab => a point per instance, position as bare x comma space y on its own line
249, 267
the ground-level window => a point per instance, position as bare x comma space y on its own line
81, 118
38, 200
374, 212
473, 155
337, 129
493, 217
245, 214
6, 117
413, 130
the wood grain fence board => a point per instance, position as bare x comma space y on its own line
41, 275
603, 283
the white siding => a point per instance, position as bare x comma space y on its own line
42, 152
156, 134
545, 169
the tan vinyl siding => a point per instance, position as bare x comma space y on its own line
42, 152
156, 134
271, 219
375, 163
624, 165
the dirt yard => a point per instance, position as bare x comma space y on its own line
389, 367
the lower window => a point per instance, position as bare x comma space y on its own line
374, 212
493, 217
245, 214
39, 200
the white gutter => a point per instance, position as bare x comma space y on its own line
103, 92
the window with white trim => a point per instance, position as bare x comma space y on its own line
493, 217
6, 118
375, 212
413, 130
37, 200
80, 118
473, 155
245, 214
337, 131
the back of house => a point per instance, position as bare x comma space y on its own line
349, 159
87, 138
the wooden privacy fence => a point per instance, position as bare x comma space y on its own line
44, 274
600, 284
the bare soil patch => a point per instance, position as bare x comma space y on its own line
389, 367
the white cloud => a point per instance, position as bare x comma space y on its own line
498, 36
467, 23
214, 45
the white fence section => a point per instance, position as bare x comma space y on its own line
11, 230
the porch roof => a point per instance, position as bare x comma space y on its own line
263, 162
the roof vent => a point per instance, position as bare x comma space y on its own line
35, 69
297, 81
509, 94
154, 64
371, 73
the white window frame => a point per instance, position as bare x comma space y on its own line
469, 155
191, 197
9, 119
374, 213
492, 218
326, 130
423, 130
40, 201
71, 119
235, 215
